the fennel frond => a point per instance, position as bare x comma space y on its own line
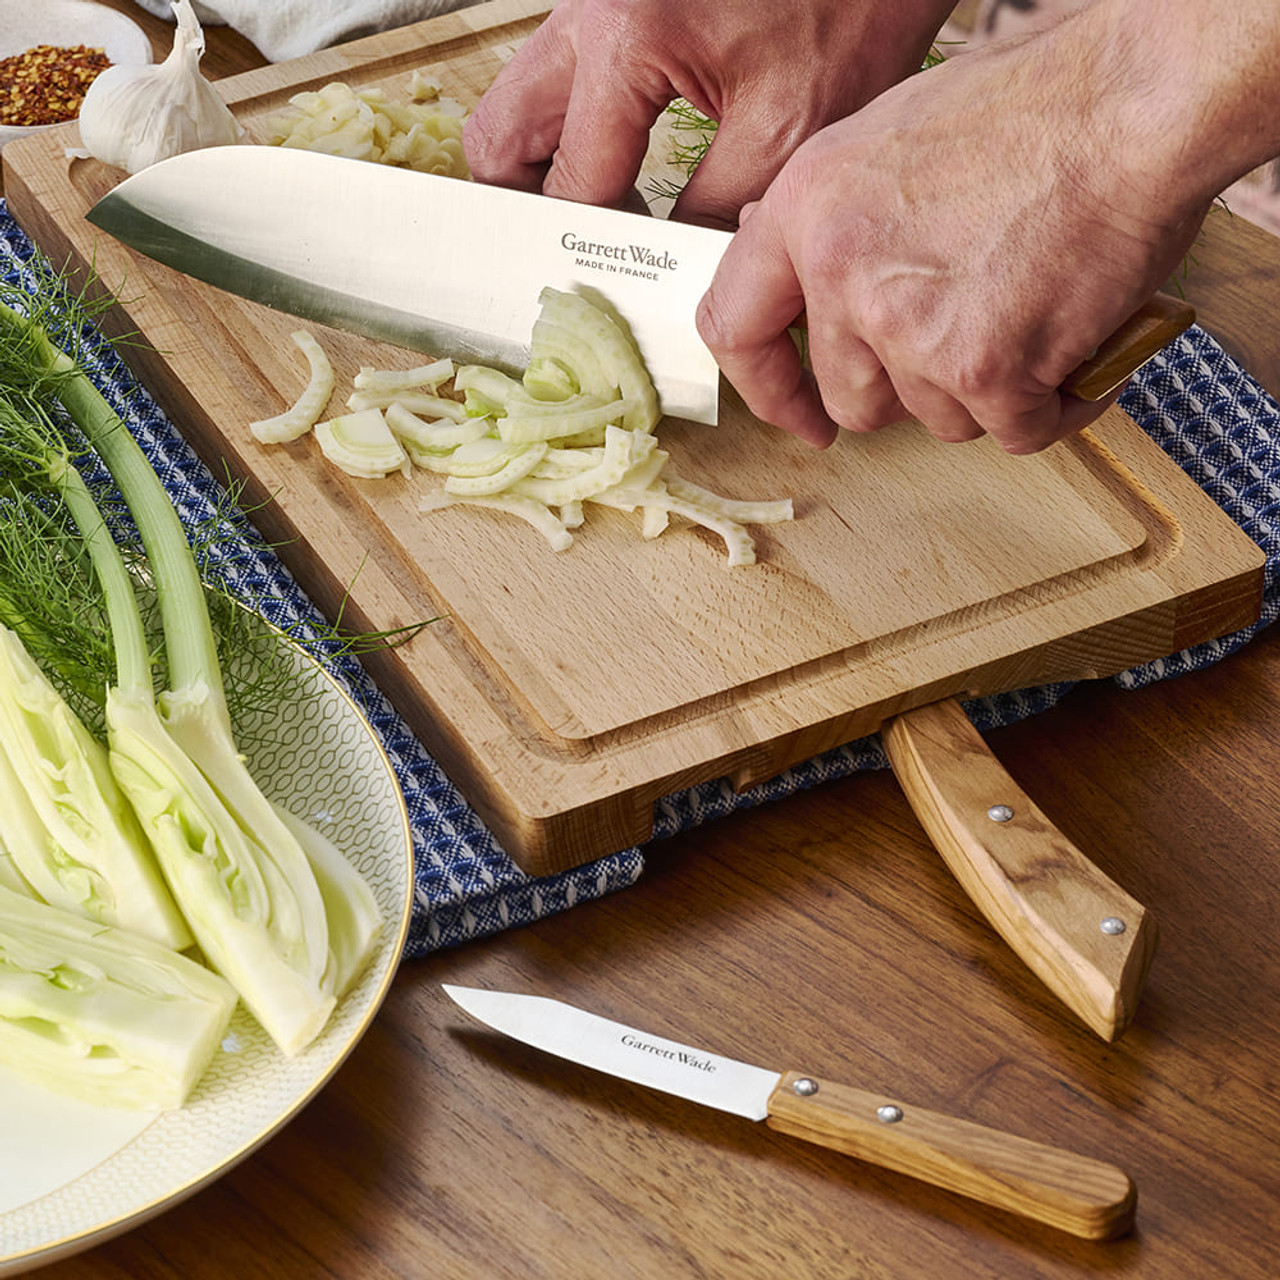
238, 869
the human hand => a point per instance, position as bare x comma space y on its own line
571, 113
958, 247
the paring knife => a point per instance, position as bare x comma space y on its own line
454, 268
1073, 1193
450, 267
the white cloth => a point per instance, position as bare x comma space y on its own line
284, 29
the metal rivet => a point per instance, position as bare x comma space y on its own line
805, 1087
1000, 813
889, 1113
1112, 925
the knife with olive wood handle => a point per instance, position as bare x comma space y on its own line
462, 263
1073, 1193
1147, 332
1080, 933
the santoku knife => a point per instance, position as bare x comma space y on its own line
454, 268
434, 264
1073, 1193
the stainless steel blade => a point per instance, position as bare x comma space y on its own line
434, 264
592, 1041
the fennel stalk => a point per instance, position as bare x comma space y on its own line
241, 873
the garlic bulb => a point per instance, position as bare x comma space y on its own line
134, 116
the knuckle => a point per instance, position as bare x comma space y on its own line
715, 325
479, 142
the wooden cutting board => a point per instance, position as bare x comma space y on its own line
565, 693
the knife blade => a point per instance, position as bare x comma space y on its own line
449, 267
1074, 1193
431, 263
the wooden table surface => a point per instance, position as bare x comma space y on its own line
824, 933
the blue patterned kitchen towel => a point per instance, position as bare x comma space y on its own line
1193, 400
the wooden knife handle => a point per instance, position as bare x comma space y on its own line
1084, 937
1071, 1192
1146, 332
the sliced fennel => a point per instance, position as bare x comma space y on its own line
306, 411
397, 381
575, 429
365, 124
568, 322
530, 510
72, 834
352, 912
439, 437
521, 461
362, 445
425, 403
10, 877
104, 1015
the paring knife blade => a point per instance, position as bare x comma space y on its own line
431, 263
1073, 1193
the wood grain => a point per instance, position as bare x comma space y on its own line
825, 930
1073, 1193
1078, 930
914, 571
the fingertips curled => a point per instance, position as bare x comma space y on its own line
511, 136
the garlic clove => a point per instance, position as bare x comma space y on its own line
134, 116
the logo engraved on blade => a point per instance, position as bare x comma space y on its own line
683, 1057
619, 259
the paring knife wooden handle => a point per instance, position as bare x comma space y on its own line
1073, 1193
1146, 332
1084, 937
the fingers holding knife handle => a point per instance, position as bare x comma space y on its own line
1147, 332
1088, 940
1073, 1193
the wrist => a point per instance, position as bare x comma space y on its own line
1195, 94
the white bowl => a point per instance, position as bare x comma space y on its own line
27, 23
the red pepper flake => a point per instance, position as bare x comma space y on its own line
46, 84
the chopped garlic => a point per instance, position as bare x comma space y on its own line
364, 124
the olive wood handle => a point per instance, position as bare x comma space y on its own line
1073, 1193
1083, 936
1147, 331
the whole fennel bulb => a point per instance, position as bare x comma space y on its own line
134, 116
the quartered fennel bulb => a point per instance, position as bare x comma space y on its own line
135, 116
107, 1016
